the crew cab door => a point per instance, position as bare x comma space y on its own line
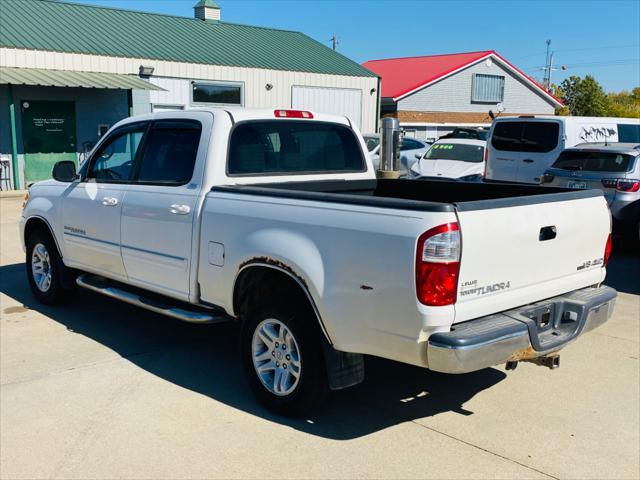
91, 208
160, 208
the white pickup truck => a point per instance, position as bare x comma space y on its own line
276, 219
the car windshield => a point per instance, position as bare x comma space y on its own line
372, 142
594, 161
462, 152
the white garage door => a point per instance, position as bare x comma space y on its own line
338, 101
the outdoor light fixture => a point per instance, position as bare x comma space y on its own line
268, 86
372, 91
146, 71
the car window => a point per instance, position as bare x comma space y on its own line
113, 162
289, 147
372, 142
507, 136
456, 151
408, 144
594, 161
629, 132
169, 153
540, 136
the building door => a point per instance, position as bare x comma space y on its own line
337, 101
49, 135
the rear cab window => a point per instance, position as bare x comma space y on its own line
282, 147
595, 161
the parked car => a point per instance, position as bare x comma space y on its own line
408, 150
275, 219
480, 133
522, 148
613, 168
452, 158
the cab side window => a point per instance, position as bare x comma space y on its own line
169, 152
114, 160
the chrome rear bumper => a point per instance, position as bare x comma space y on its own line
524, 333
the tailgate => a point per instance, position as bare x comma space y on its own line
536, 248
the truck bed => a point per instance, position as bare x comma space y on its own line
423, 195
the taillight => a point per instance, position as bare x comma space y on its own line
292, 114
438, 265
621, 184
607, 250
547, 178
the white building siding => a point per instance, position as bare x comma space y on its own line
176, 75
453, 94
338, 101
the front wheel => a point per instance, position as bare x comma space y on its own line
282, 359
45, 270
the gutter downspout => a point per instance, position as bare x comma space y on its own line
14, 138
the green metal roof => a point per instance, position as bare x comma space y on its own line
60, 78
68, 27
207, 3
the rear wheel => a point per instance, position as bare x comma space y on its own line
282, 358
45, 269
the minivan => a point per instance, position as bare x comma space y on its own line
520, 149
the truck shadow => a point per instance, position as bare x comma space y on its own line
205, 359
623, 271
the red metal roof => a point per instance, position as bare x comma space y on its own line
401, 76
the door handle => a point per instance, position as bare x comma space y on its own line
179, 209
110, 201
527, 160
548, 233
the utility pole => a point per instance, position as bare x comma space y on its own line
550, 69
334, 41
547, 68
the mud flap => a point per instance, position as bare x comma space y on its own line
343, 369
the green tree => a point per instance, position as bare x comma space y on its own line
584, 97
624, 104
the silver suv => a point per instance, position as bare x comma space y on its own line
612, 167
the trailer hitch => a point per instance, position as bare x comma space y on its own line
551, 361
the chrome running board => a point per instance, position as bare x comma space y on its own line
105, 287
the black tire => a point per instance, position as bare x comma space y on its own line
61, 286
311, 388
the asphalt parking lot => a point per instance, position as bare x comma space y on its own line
99, 389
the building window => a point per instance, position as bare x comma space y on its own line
217, 93
487, 88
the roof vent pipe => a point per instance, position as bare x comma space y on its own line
206, 10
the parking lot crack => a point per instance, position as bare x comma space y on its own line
473, 445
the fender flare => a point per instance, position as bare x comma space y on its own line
288, 271
39, 218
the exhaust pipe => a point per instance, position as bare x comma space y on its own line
390, 142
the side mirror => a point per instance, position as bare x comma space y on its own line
418, 156
64, 171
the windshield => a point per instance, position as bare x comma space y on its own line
594, 161
372, 142
462, 152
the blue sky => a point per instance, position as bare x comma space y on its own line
600, 37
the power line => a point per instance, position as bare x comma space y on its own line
578, 50
602, 63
